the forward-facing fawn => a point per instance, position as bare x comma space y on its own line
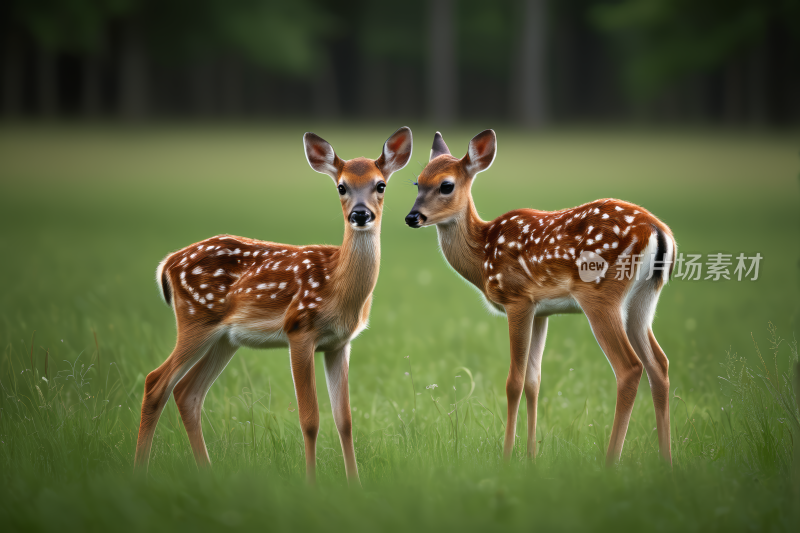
531, 264
230, 291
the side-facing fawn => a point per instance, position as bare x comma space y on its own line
230, 291
531, 264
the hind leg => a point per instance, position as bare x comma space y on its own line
605, 317
191, 391
640, 316
158, 386
533, 378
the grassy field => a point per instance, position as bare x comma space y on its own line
86, 213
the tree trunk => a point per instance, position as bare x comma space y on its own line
12, 75
326, 95
374, 87
261, 93
757, 90
92, 86
47, 83
733, 91
442, 68
232, 87
202, 85
532, 73
408, 95
133, 75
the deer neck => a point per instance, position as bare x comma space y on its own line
461, 242
356, 271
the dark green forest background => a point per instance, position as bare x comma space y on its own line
531, 62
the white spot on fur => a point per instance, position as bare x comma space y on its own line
629, 218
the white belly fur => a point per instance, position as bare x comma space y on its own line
557, 306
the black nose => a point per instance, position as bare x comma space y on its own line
360, 217
414, 218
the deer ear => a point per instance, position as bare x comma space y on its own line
321, 157
439, 147
481, 152
396, 152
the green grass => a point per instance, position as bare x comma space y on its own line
86, 213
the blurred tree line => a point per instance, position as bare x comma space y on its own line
527, 61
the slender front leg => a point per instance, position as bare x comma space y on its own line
533, 378
337, 364
520, 324
301, 351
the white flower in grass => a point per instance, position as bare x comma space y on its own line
432, 386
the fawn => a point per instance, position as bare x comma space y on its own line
531, 264
229, 291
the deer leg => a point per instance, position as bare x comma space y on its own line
608, 329
337, 364
658, 374
191, 391
158, 386
533, 378
520, 325
639, 320
301, 351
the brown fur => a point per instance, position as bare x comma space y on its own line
525, 261
233, 291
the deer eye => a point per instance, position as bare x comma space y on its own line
342, 190
381, 187
446, 188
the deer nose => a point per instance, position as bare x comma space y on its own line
414, 219
360, 217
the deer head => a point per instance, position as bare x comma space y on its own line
446, 182
361, 182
